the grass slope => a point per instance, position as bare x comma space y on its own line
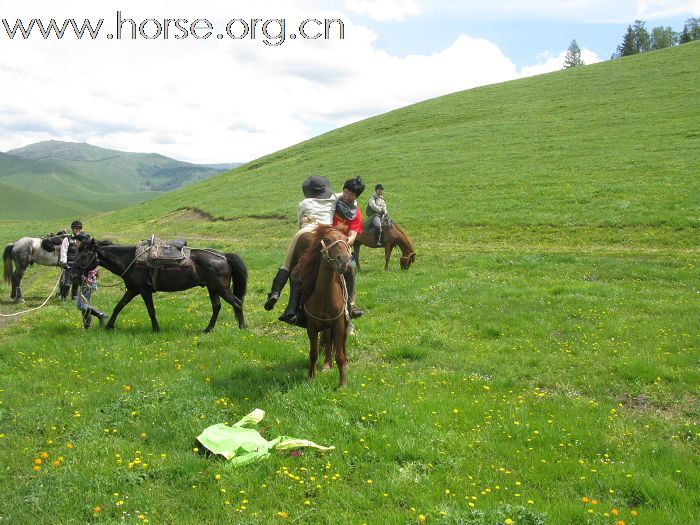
538, 364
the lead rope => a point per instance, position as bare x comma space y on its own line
37, 307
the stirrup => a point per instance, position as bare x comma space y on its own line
271, 300
355, 312
289, 318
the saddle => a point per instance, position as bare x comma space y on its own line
50, 241
157, 254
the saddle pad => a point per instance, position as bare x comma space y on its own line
156, 253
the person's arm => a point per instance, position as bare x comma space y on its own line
63, 257
352, 235
372, 204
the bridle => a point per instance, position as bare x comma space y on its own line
327, 256
332, 261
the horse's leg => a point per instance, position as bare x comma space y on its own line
327, 342
356, 251
312, 332
340, 335
126, 298
16, 284
237, 306
388, 246
215, 307
147, 296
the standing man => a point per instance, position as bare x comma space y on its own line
347, 212
87, 283
69, 252
376, 211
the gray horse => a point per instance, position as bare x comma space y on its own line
26, 251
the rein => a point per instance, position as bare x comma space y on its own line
331, 261
345, 302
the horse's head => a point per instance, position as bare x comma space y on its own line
87, 256
335, 250
406, 260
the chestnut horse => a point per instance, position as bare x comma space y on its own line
393, 236
324, 298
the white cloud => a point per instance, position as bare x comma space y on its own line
224, 100
650, 9
219, 100
384, 9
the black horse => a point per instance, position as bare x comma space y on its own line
209, 268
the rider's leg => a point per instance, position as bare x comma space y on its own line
353, 310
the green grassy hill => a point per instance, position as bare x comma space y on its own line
118, 169
86, 179
538, 364
613, 146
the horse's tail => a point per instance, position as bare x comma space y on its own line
239, 275
7, 260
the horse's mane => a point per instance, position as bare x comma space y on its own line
310, 261
403, 237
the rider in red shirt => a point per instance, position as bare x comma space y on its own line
347, 212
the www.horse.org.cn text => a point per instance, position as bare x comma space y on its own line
270, 31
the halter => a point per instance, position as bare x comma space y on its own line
326, 254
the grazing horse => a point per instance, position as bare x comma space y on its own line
209, 268
393, 236
323, 291
26, 251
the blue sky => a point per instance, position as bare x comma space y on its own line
229, 100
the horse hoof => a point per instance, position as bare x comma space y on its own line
207, 330
242, 326
326, 368
19, 300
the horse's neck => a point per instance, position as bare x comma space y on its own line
402, 241
325, 281
116, 258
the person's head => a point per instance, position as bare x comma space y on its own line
316, 187
352, 189
76, 226
379, 189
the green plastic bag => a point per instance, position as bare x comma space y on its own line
244, 445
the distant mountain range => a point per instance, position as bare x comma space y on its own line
48, 178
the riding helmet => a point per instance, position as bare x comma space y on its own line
76, 224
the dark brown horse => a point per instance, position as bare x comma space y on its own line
394, 236
320, 270
209, 268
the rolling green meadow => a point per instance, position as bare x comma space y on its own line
538, 364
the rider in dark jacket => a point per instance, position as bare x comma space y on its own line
69, 252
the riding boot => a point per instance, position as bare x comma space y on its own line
353, 310
100, 315
277, 285
87, 320
290, 313
378, 237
